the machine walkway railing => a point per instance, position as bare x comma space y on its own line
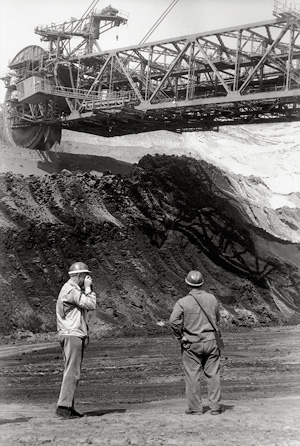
281, 8
100, 99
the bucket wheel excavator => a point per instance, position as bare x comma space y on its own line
42, 85
240, 75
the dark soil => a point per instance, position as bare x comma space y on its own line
256, 363
123, 378
140, 234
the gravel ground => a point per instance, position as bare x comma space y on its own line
132, 392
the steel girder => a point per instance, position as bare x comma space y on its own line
246, 74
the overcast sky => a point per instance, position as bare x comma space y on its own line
19, 17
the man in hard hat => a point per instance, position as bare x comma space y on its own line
75, 300
192, 322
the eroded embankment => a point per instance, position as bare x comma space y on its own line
140, 234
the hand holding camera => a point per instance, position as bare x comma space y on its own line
88, 284
88, 281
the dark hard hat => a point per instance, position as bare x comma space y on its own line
78, 267
194, 278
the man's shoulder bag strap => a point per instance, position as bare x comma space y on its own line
218, 334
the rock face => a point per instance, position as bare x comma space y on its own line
140, 234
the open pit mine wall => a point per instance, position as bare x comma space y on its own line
140, 234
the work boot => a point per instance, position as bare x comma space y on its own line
216, 411
193, 412
66, 413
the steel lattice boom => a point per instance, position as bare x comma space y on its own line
246, 74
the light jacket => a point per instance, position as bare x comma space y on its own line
72, 310
187, 318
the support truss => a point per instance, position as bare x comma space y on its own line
236, 75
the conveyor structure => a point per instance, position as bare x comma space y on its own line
246, 74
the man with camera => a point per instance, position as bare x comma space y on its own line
75, 300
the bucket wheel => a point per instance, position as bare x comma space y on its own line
25, 124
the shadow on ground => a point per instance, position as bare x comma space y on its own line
225, 408
15, 420
55, 162
100, 412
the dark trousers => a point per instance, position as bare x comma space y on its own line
72, 350
203, 355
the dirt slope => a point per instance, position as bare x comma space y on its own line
227, 203
140, 234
